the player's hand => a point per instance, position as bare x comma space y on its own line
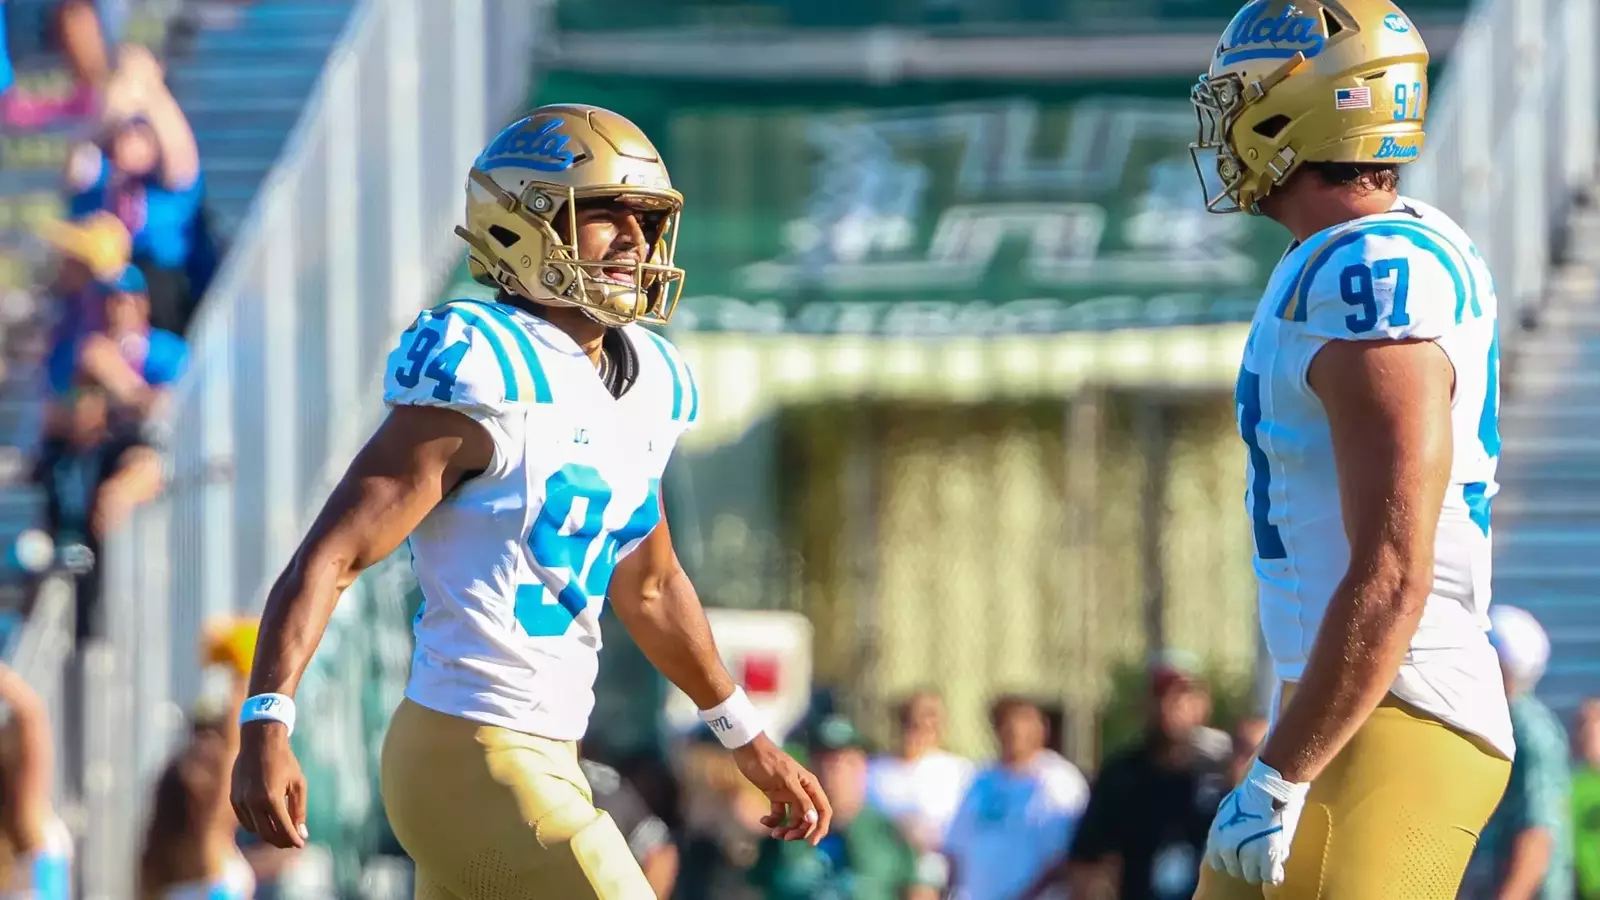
800, 811
1254, 827
269, 790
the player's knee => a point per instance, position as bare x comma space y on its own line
601, 836
607, 862
563, 824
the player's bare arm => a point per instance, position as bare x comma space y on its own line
656, 602
1528, 865
29, 783
1388, 408
416, 457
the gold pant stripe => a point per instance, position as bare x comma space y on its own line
1394, 817
492, 814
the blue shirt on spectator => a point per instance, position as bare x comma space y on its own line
160, 359
7, 75
163, 220
1538, 797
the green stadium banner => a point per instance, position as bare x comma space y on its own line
926, 210
1103, 16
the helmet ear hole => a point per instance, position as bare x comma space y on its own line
1271, 127
1329, 23
504, 236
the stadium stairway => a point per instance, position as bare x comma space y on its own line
242, 73
1547, 517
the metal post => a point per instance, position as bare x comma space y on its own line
1084, 424
1150, 427
344, 248
859, 505
409, 277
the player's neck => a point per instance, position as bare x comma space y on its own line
1305, 216
584, 331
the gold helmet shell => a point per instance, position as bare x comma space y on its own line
1295, 81
523, 193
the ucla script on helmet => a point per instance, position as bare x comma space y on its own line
1258, 33
539, 145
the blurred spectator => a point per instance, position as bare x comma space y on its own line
721, 820
83, 44
1525, 851
125, 355
920, 785
192, 847
1248, 735
98, 460
864, 856
89, 253
35, 846
1019, 812
189, 849
1145, 829
229, 645
1586, 798
647, 835
8, 72
92, 249
92, 477
145, 170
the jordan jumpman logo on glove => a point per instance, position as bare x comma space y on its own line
1254, 827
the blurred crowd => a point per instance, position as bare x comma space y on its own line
127, 266
914, 821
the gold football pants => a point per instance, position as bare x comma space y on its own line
1395, 816
492, 814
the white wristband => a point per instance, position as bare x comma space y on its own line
269, 708
734, 721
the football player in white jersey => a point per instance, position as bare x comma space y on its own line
521, 459
1368, 400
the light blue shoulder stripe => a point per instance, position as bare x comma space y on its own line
694, 392
668, 354
501, 315
508, 372
1423, 237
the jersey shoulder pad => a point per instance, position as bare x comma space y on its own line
1386, 278
466, 355
662, 364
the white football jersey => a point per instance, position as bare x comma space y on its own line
1408, 273
515, 563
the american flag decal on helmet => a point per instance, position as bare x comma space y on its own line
1352, 98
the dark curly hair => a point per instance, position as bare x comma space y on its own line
1368, 176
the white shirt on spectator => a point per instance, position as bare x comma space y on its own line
926, 791
1013, 824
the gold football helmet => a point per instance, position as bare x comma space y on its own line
523, 195
1296, 81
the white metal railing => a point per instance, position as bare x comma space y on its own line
349, 236
1512, 137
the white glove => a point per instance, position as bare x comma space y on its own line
1254, 827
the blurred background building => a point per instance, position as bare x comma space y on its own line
965, 339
